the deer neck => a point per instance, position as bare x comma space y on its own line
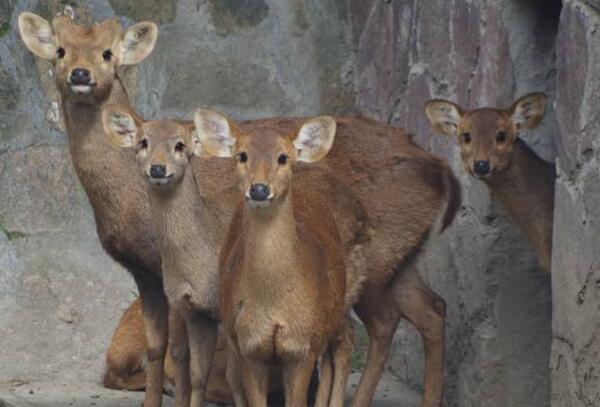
526, 190
271, 248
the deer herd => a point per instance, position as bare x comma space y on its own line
252, 242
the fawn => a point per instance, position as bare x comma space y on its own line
492, 152
386, 197
86, 61
283, 281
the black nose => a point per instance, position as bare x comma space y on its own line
158, 171
259, 192
80, 76
481, 167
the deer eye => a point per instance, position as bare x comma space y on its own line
501, 137
179, 147
282, 159
60, 52
143, 144
242, 157
466, 138
107, 55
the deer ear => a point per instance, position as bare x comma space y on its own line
528, 111
197, 148
214, 133
444, 116
138, 42
315, 138
37, 34
120, 126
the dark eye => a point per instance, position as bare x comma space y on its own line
179, 147
242, 157
282, 159
143, 143
107, 55
466, 138
501, 137
60, 52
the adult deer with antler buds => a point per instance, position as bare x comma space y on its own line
282, 270
492, 152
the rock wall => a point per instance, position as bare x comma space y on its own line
60, 294
499, 303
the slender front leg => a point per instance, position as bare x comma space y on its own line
378, 313
427, 312
202, 334
255, 378
341, 349
325, 379
234, 379
180, 354
296, 379
156, 326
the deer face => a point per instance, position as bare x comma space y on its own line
486, 136
264, 161
86, 59
163, 147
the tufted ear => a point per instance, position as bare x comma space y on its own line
37, 34
138, 42
214, 132
120, 126
528, 111
315, 138
444, 116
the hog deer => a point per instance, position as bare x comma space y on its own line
86, 61
493, 152
386, 196
282, 273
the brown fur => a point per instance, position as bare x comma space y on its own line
522, 181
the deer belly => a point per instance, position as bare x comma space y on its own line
269, 339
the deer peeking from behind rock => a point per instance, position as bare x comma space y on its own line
283, 279
493, 152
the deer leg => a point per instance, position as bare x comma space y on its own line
342, 363
296, 379
377, 311
427, 312
325, 379
180, 355
234, 380
255, 379
202, 336
155, 310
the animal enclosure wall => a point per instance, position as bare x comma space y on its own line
61, 296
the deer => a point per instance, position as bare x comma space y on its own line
126, 360
388, 196
493, 152
282, 273
85, 61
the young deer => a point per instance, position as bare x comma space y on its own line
492, 151
282, 271
126, 360
86, 61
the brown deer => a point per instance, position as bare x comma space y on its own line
282, 270
386, 196
492, 152
86, 61
126, 360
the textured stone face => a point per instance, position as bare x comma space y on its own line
60, 295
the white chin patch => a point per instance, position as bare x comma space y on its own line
159, 182
81, 89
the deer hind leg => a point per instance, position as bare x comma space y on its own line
255, 380
325, 379
156, 327
234, 379
296, 380
427, 312
179, 353
202, 338
341, 349
377, 311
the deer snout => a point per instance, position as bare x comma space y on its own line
80, 76
481, 167
158, 171
259, 192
